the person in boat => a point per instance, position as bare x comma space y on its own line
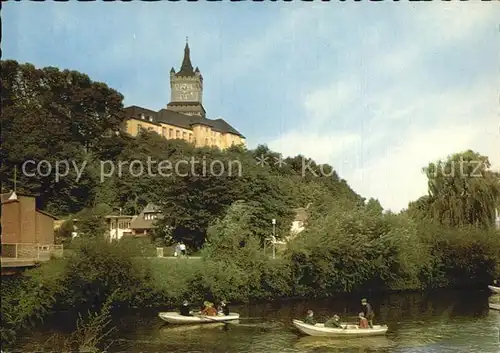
368, 312
223, 308
363, 321
309, 319
334, 322
208, 309
185, 309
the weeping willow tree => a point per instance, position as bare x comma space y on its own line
463, 190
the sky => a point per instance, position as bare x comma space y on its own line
378, 90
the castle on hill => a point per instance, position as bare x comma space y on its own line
184, 117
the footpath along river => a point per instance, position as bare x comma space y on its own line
444, 321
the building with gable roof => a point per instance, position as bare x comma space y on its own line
184, 116
145, 223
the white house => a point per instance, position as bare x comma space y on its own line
298, 224
119, 226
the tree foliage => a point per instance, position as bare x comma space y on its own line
55, 116
462, 191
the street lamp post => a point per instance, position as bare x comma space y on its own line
274, 238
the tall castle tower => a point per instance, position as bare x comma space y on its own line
186, 88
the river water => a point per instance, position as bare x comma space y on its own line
445, 321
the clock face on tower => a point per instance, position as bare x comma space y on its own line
185, 92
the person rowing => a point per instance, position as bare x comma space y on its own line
363, 322
334, 322
185, 309
208, 309
309, 319
223, 308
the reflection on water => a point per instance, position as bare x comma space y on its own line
457, 322
307, 343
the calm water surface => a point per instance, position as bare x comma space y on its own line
458, 322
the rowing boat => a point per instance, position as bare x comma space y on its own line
365, 344
494, 289
494, 306
176, 318
169, 329
349, 331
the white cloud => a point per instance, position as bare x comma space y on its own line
458, 121
320, 147
398, 128
397, 177
324, 103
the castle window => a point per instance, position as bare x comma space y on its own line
184, 135
177, 134
170, 133
150, 118
142, 116
164, 131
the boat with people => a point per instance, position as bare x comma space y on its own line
494, 289
348, 330
209, 314
178, 319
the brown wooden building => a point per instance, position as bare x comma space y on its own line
23, 223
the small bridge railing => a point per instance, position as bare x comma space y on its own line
40, 252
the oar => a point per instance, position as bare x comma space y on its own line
210, 318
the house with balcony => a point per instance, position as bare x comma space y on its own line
119, 226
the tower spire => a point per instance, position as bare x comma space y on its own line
187, 67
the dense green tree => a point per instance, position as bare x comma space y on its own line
373, 205
348, 249
92, 222
61, 118
462, 190
233, 256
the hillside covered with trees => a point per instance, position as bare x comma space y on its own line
57, 115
